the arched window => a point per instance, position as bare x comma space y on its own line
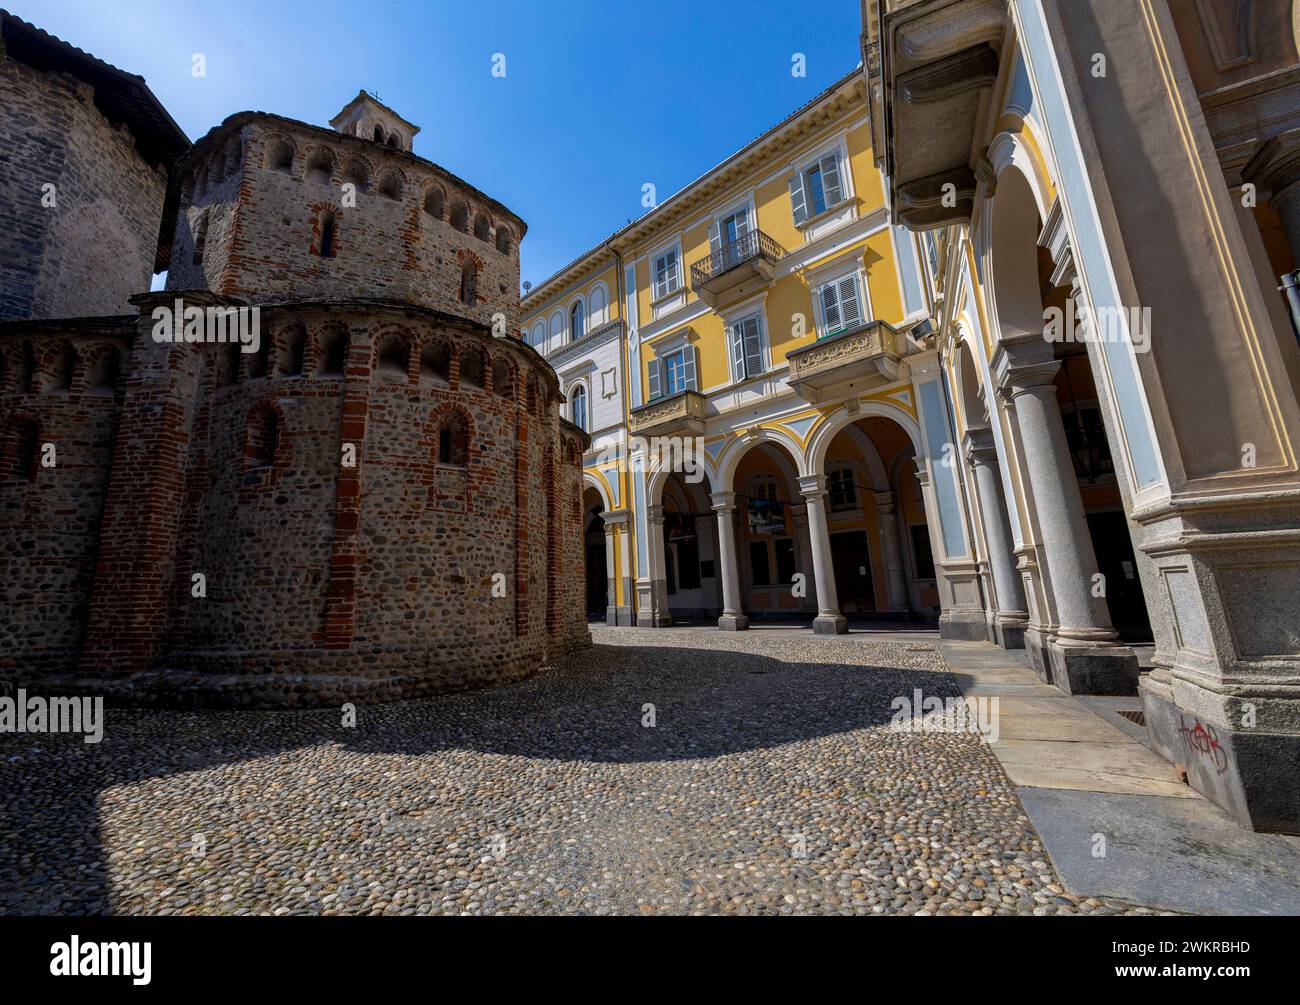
18, 451
556, 330
453, 440
394, 358
473, 365
390, 186
200, 238
263, 440
228, 365
320, 166
580, 407
481, 227
598, 305
379, 133
505, 239
328, 234
332, 352
395, 141
537, 337
293, 351
103, 375
434, 202
357, 173
503, 379
468, 283
460, 215
280, 157
435, 362
65, 366
577, 321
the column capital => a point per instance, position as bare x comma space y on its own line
655, 514
723, 501
1276, 167
812, 486
1021, 367
884, 501
616, 518
978, 447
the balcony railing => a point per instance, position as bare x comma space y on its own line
859, 358
754, 248
682, 412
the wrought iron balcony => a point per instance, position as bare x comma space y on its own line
731, 268
859, 359
678, 413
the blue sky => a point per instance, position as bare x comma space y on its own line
598, 98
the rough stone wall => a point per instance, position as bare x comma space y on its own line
396, 577
95, 247
402, 240
50, 516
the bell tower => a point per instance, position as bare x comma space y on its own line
365, 116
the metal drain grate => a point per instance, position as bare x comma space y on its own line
1134, 715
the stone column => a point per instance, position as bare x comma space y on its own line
829, 620
1011, 615
1083, 655
611, 594
803, 555
733, 619
895, 576
1276, 168
658, 567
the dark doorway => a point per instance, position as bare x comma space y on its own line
597, 573
1115, 561
852, 559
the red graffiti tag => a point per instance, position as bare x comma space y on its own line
1205, 741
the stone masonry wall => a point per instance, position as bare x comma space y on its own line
322, 582
58, 387
95, 247
256, 197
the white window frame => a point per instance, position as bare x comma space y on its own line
592, 321
864, 299
739, 372
656, 293
568, 319
574, 388
800, 168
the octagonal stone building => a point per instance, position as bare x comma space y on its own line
375, 498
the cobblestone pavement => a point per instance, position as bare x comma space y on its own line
770, 783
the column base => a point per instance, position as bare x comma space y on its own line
621, 617
733, 623
964, 627
826, 624
1010, 635
1083, 669
1248, 773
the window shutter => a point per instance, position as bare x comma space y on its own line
737, 340
742, 224
798, 200
831, 308
715, 238
850, 308
830, 166
652, 370
753, 346
688, 367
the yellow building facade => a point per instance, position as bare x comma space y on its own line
754, 360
